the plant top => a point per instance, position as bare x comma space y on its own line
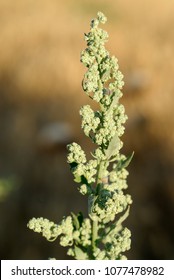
103, 178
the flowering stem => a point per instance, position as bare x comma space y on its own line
101, 235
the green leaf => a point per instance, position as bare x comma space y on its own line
77, 179
80, 218
114, 102
117, 226
124, 163
113, 146
77, 220
80, 254
73, 165
123, 217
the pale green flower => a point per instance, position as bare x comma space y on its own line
90, 122
76, 154
48, 229
101, 17
99, 155
91, 170
85, 232
83, 189
103, 179
100, 254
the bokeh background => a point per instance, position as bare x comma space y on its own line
40, 96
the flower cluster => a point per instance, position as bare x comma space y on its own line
79, 165
104, 177
51, 231
108, 204
117, 243
70, 233
101, 66
90, 120
76, 154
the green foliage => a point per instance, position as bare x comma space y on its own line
103, 178
7, 185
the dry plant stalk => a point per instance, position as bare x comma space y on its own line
103, 179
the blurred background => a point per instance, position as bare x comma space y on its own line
40, 96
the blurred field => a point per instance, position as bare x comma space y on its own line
40, 92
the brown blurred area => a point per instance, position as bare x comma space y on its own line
40, 96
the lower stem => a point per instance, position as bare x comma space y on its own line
94, 234
101, 168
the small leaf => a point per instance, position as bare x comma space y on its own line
77, 179
113, 146
122, 218
117, 226
80, 218
114, 102
75, 221
124, 163
73, 165
80, 254
105, 75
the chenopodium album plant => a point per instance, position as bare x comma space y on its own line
103, 179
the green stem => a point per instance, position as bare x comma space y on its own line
98, 173
94, 234
101, 171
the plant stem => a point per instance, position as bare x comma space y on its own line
95, 221
94, 234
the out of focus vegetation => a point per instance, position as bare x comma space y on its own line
7, 185
40, 95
